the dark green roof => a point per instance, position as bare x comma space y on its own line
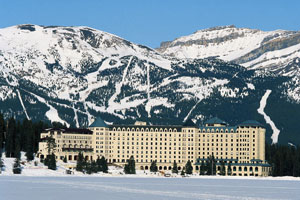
98, 123
250, 123
215, 120
256, 160
189, 123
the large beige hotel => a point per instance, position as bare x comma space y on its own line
243, 145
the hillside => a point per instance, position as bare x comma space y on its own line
73, 74
252, 48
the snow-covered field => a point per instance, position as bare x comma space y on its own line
79, 188
38, 182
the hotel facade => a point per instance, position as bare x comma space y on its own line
243, 145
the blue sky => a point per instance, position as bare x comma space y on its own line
150, 22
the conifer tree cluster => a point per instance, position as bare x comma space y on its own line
223, 169
17, 166
285, 160
130, 166
18, 136
153, 167
229, 170
100, 165
1, 162
175, 168
209, 167
188, 167
50, 161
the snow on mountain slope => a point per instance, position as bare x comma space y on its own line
248, 47
65, 61
81, 71
73, 74
58, 53
261, 111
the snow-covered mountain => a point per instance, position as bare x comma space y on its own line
249, 47
73, 74
64, 62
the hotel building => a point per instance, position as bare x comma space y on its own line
243, 145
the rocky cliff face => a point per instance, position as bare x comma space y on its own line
72, 74
251, 48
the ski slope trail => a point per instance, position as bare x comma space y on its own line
21, 101
112, 104
260, 110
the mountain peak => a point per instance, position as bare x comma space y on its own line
251, 48
216, 28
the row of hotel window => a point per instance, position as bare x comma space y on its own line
137, 144
170, 135
208, 130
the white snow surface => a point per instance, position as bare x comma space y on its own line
250, 86
136, 188
38, 182
260, 110
21, 101
242, 42
52, 113
6, 92
28, 54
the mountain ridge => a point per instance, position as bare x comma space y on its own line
251, 48
73, 74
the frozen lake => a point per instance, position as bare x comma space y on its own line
85, 188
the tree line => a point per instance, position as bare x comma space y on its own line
284, 159
100, 165
17, 136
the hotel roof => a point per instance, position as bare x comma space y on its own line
98, 123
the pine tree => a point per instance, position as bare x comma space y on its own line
23, 132
51, 145
130, 166
188, 167
38, 128
58, 125
296, 166
52, 162
153, 166
126, 169
88, 168
94, 167
208, 166
29, 141
175, 168
182, 173
99, 164
17, 166
229, 170
18, 141
1, 162
104, 164
10, 138
202, 168
46, 160
223, 170
65, 159
213, 165
80, 162
2, 130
